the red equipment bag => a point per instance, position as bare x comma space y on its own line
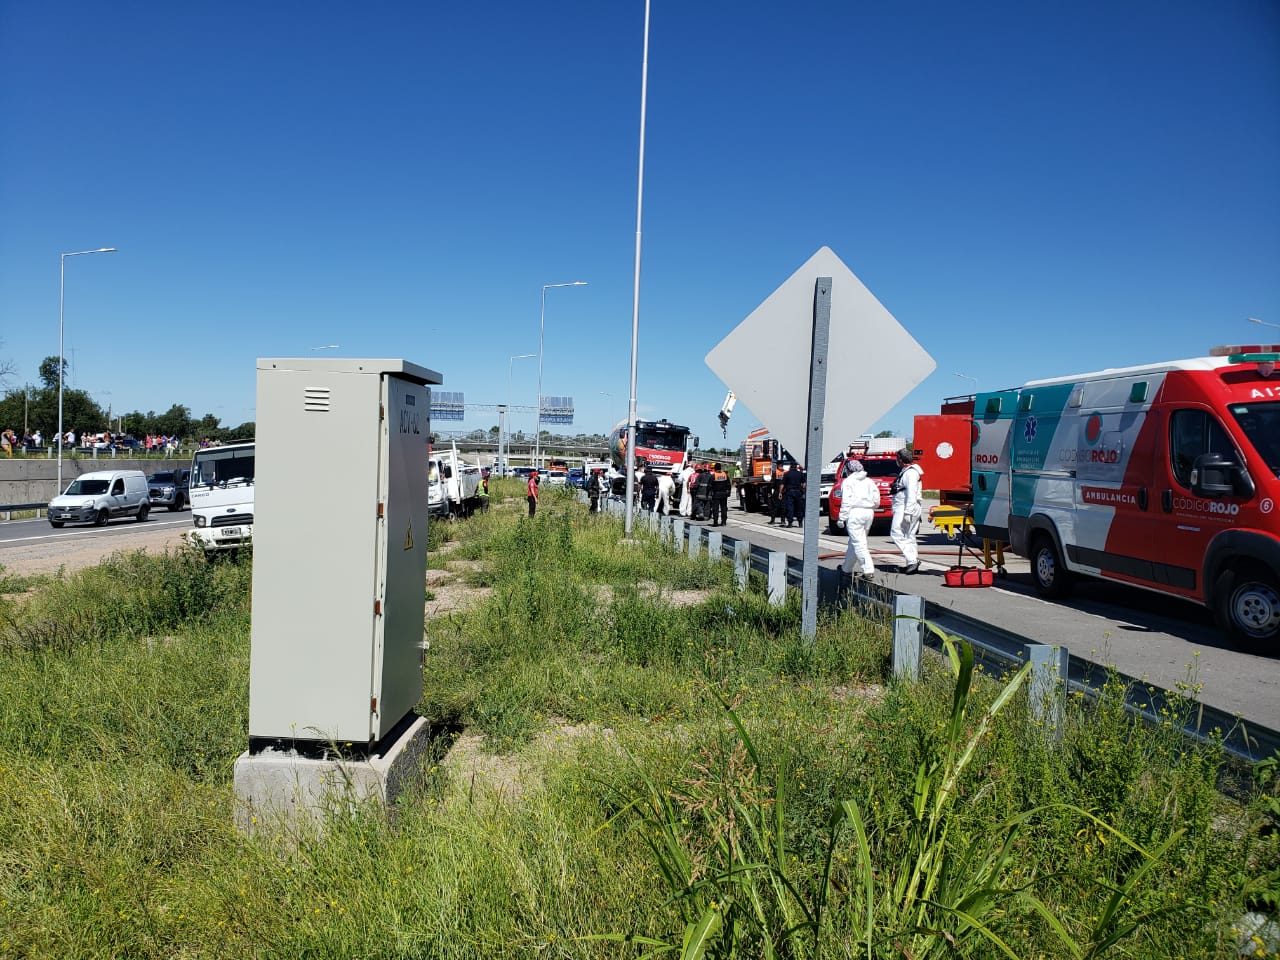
969, 577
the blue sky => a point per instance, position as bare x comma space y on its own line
1032, 189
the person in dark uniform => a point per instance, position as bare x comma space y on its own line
793, 494
595, 484
648, 490
720, 487
774, 495
702, 495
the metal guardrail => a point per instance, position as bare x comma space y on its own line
8, 509
1004, 650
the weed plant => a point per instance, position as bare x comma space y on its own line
672, 770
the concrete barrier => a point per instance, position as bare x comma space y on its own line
35, 479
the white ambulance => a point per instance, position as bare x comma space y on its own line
1162, 476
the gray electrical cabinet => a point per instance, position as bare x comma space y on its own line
339, 549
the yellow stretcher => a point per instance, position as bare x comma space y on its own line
956, 522
953, 521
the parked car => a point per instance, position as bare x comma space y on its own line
557, 477
575, 477
99, 496
170, 488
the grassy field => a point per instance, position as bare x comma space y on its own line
665, 767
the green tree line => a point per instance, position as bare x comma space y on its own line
33, 407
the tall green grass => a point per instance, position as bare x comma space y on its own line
680, 780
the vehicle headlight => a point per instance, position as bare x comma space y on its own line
168, 491
201, 521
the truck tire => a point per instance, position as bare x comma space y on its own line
1052, 580
1246, 604
101, 519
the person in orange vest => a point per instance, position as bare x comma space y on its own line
532, 495
720, 487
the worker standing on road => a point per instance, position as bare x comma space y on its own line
793, 494
906, 492
648, 490
859, 499
594, 484
666, 493
702, 493
720, 487
532, 495
686, 490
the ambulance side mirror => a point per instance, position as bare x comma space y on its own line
1216, 476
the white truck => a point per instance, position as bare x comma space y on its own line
221, 494
453, 485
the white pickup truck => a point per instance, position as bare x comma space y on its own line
453, 485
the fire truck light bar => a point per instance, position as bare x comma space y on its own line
1248, 353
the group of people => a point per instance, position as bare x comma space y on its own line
860, 500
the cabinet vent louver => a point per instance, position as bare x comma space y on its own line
315, 399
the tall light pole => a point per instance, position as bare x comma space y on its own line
62, 296
630, 465
542, 323
1263, 323
504, 456
965, 376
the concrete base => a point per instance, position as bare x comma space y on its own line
276, 787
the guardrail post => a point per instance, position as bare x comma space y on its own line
742, 563
715, 545
695, 542
1048, 690
908, 636
677, 534
652, 521
777, 578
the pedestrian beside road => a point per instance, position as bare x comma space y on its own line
773, 494
532, 492
666, 493
595, 485
907, 490
686, 490
702, 494
859, 499
648, 490
720, 487
793, 484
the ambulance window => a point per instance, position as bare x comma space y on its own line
1191, 434
1260, 423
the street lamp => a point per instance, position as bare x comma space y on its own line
965, 376
62, 291
503, 456
1263, 323
542, 322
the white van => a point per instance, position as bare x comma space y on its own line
101, 496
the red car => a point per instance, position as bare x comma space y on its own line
883, 469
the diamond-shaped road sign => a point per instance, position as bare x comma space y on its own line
872, 361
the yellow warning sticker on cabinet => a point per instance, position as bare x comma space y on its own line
408, 536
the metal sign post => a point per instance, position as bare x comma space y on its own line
813, 454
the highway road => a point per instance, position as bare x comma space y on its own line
1169, 642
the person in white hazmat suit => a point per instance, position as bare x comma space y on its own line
686, 496
859, 499
906, 510
666, 489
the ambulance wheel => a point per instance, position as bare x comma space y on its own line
1246, 603
1052, 580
